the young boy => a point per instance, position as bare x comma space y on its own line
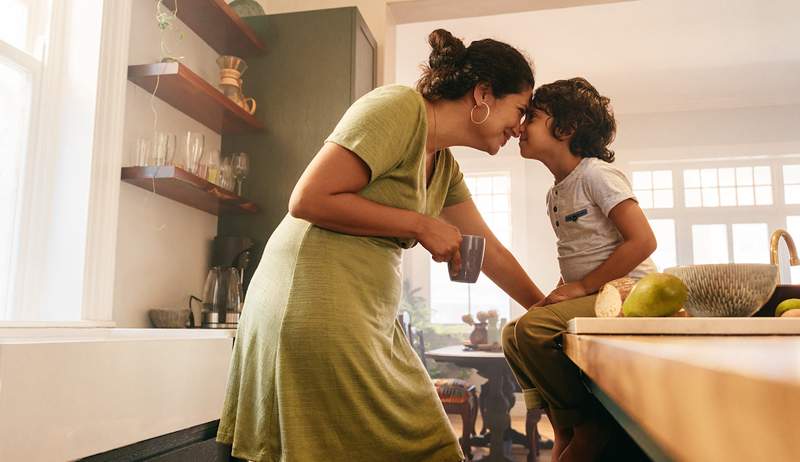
602, 235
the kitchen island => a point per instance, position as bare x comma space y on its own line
698, 398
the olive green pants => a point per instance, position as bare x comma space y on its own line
532, 346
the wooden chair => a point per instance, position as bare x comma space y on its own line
457, 396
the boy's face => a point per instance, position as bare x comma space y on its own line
536, 141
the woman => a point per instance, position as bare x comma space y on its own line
321, 370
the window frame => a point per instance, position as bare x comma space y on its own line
94, 302
773, 215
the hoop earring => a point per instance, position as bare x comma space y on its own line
472, 114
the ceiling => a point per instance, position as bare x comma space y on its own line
647, 55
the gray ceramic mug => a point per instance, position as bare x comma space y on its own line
472, 248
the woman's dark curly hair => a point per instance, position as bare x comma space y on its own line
453, 69
577, 109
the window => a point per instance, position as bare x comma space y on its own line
23, 33
728, 187
793, 227
450, 300
791, 184
709, 244
750, 243
665, 255
653, 189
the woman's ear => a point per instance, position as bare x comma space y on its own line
482, 92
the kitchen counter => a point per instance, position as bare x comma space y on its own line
84, 391
19, 335
700, 398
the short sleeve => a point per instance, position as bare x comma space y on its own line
607, 186
381, 127
457, 190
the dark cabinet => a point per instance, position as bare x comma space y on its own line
316, 64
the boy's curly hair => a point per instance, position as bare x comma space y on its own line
577, 109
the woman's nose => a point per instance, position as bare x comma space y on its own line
517, 130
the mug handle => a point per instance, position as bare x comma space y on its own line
250, 105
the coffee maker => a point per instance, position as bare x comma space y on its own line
223, 292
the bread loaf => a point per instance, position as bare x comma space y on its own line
611, 296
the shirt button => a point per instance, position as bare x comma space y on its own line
556, 223
555, 209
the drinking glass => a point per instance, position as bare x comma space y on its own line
213, 166
226, 174
241, 166
164, 151
195, 142
141, 152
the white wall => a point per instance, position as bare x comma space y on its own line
163, 247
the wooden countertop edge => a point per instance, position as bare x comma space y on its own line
699, 414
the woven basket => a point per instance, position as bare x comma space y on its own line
169, 318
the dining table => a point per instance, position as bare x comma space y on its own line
497, 396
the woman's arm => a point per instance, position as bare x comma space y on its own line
326, 195
638, 243
498, 263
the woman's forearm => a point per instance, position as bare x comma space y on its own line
502, 268
352, 214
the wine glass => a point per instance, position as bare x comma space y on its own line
241, 166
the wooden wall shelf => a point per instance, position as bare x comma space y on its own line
216, 23
190, 94
181, 186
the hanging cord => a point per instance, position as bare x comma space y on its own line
164, 19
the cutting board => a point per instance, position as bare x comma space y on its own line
685, 326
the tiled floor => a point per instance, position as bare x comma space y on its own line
519, 453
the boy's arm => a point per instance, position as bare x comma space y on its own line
498, 263
638, 243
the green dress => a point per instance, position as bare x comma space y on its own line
321, 370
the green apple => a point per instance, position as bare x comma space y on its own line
787, 305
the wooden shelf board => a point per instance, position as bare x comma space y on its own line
181, 186
190, 94
216, 23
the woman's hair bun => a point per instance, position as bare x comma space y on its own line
446, 51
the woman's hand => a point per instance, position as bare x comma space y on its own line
442, 240
564, 292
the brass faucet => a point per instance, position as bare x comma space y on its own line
774, 240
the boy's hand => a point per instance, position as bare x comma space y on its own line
564, 292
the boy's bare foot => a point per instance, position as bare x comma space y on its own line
587, 442
562, 439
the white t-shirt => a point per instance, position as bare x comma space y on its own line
578, 207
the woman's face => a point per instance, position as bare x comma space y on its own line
536, 140
504, 120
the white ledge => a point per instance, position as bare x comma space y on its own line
18, 335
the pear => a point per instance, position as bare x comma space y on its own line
656, 294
